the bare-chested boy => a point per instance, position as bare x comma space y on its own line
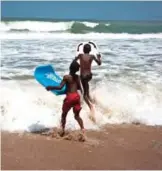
72, 100
86, 60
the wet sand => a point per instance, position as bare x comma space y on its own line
114, 147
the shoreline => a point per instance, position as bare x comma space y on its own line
114, 147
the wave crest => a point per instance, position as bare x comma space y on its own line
81, 27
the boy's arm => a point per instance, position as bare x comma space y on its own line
98, 59
63, 82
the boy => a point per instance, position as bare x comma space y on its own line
72, 99
85, 72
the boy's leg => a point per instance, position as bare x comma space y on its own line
63, 122
89, 77
65, 109
87, 100
86, 92
89, 97
78, 119
85, 83
76, 110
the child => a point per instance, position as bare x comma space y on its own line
72, 99
85, 72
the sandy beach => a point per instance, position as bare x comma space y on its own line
114, 147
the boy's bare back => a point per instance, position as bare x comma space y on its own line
86, 63
72, 83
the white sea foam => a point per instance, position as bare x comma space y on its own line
40, 26
30, 107
88, 36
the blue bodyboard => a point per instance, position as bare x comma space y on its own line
47, 76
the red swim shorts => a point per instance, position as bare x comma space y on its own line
72, 100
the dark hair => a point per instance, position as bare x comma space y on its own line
74, 67
87, 48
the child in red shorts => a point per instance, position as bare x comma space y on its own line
72, 100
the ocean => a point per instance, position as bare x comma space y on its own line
127, 87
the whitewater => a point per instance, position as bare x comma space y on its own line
127, 87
